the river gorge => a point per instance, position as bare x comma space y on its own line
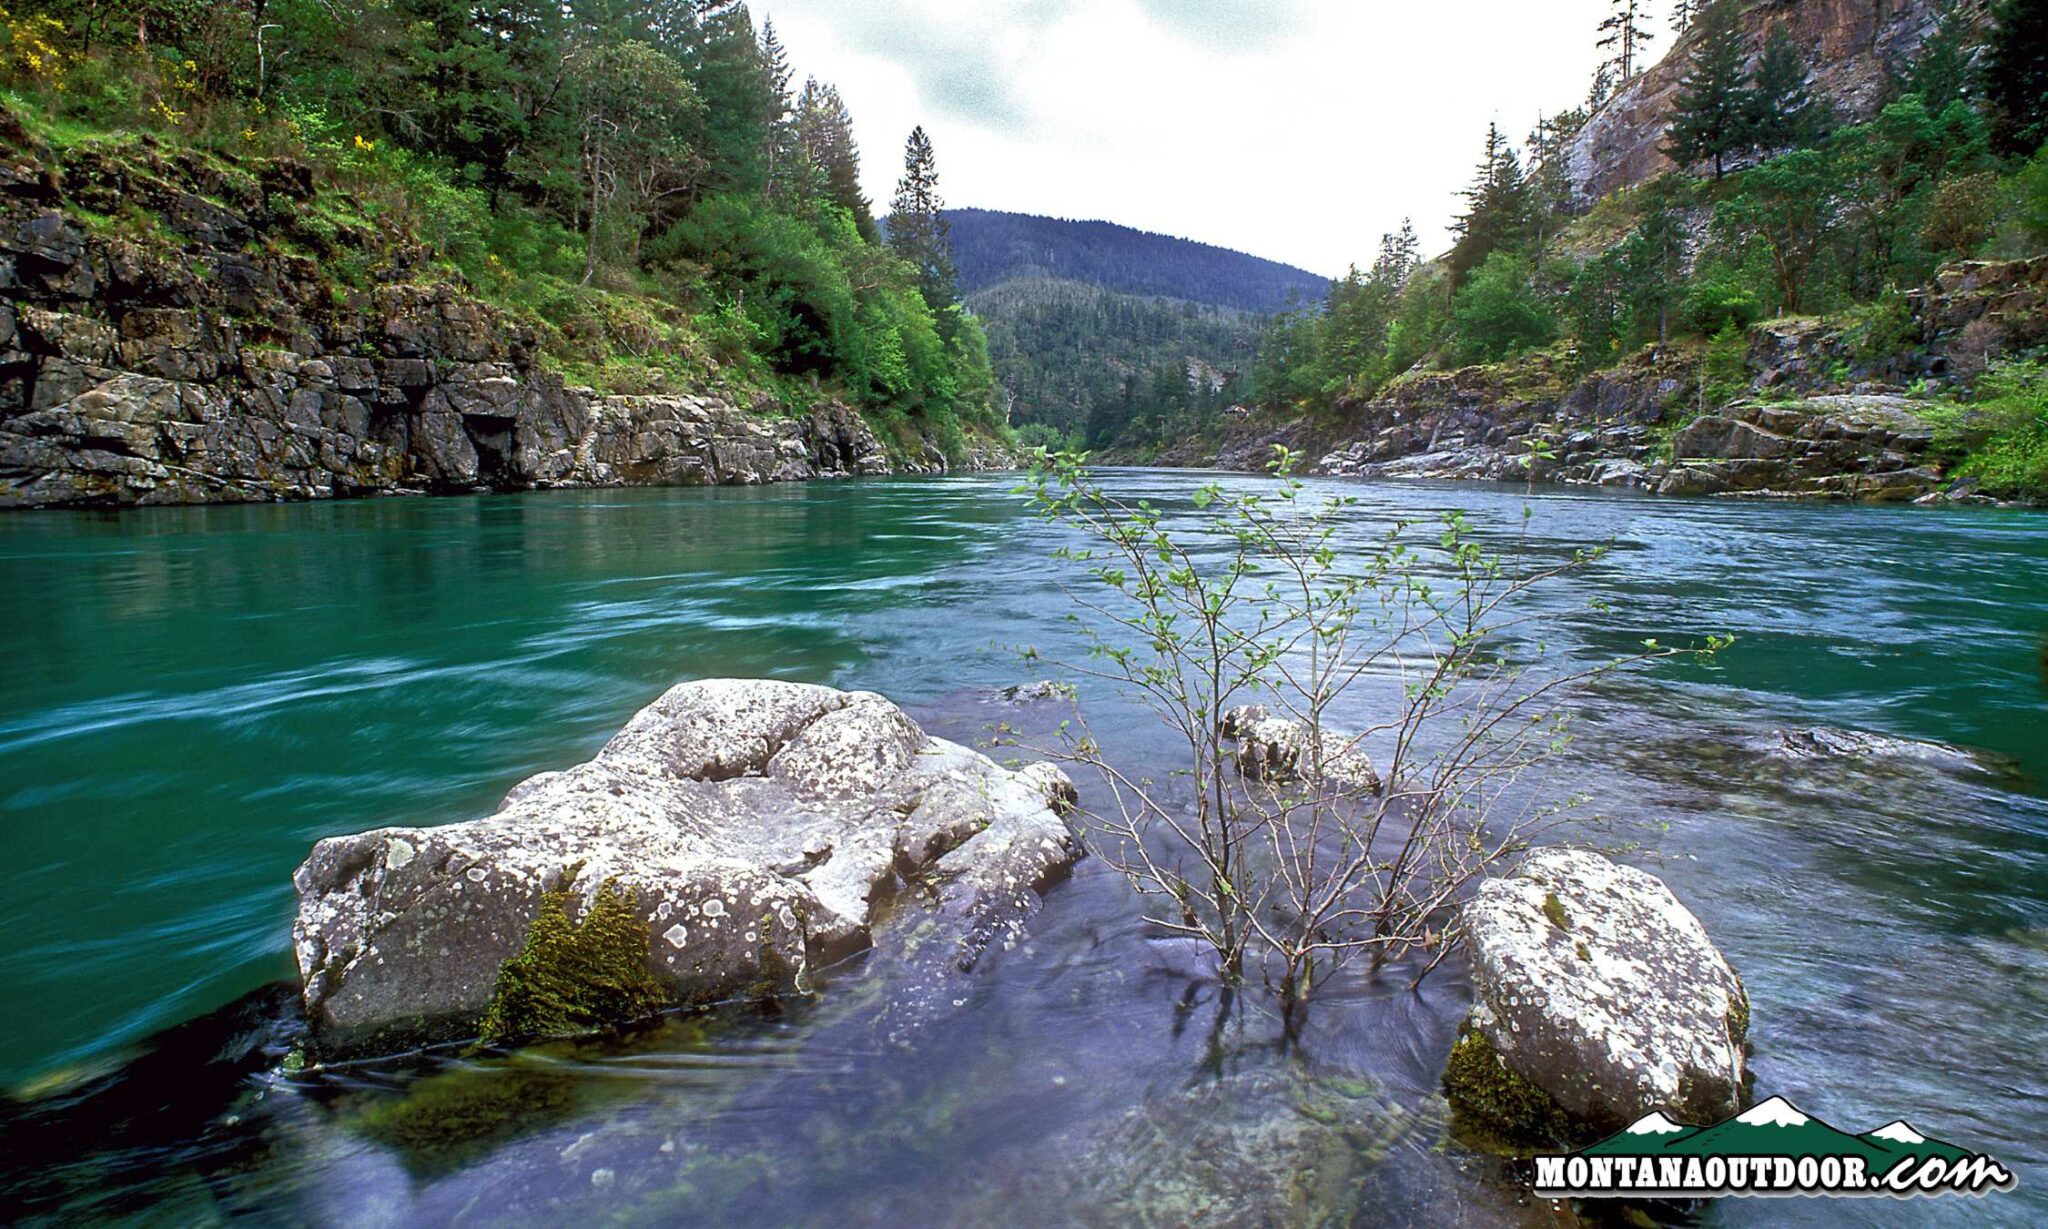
198, 694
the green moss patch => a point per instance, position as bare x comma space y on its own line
1553, 908
576, 977
1497, 1109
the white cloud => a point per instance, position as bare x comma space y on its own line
1295, 129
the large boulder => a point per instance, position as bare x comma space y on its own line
1599, 999
731, 838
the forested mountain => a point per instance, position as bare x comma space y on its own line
990, 247
1101, 334
1089, 363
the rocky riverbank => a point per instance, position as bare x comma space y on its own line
1806, 416
170, 332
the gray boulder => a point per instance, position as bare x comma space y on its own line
1277, 750
1599, 999
747, 828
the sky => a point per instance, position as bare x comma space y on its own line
1299, 130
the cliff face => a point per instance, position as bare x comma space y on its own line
167, 336
1853, 46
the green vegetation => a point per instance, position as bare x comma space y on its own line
1775, 215
641, 180
1086, 366
573, 977
1494, 1103
2000, 438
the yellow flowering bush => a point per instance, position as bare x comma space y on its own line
29, 49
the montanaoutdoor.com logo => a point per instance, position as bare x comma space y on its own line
1772, 1149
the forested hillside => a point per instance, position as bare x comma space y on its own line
1100, 334
991, 247
1783, 204
645, 185
1087, 366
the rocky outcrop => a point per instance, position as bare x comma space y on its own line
1871, 448
209, 355
1599, 999
728, 840
1854, 47
1813, 416
1981, 307
1524, 420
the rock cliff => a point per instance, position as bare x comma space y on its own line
1854, 47
168, 334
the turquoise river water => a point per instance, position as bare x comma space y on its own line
193, 696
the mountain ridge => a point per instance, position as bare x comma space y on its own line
993, 246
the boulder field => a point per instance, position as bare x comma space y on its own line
731, 839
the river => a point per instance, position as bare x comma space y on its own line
194, 695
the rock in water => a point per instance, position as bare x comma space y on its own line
1277, 750
730, 838
1599, 999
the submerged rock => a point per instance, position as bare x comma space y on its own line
1600, 999
1822, 743
732, 836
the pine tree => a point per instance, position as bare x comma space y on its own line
1684, 13
825, 134
917, 224
724, 63
1400, 252
1625, 34
2014, 74
778, 133
1783, 113
1499, 207
1941, 72
1711, 119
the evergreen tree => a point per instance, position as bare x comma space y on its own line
1783, 112
1653, 263
917, 224
1499, 207
1941, 72
1625, 35
1684, 13
2014, 74
778, 132
725, 66
825, 133
1711, 119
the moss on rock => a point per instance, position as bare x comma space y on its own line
1507, 1110
575, 977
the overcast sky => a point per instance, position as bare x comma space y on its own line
1294, 129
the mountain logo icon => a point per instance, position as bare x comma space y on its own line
1772, 1148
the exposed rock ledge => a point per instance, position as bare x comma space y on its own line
214, 361
749, 827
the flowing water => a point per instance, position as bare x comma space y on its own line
193, 696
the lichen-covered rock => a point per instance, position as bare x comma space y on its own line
1875, 448
1276, 750
1599, 998
747, 828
